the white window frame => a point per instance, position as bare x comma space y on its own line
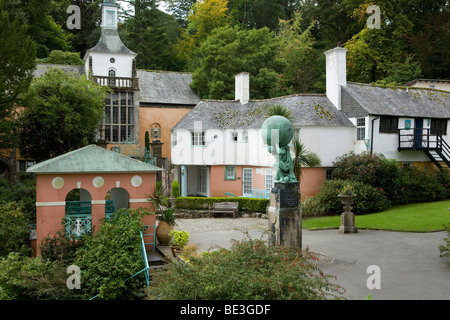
245, 181
269, 181
198, 139
360, 129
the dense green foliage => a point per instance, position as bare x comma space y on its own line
14, 230
175, 189
17, 61
111, 256
23, 278
62, 112
445, 249
378, 184
201, 203
22, 193
229, 51
61, 57
250, 270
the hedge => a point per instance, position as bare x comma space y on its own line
202, 203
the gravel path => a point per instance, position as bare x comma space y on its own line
200, 225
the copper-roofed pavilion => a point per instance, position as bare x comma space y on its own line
104, 181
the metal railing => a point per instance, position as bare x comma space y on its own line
117, 82
419, 139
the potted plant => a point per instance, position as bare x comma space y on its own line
180, 239
167, 222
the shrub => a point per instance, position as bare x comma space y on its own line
111, 256
23, 193
33, 278
424, 186
370, 169
250, 270
175, 189
14, 231
445, 249
367, 199
201, 203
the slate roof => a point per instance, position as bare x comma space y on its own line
110, 42
364, 99
166, 87
92, 159
43, 68
307, 110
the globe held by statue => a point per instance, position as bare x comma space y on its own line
277, 125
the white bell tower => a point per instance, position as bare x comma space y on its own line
110, 57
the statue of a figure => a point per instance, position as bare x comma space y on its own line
281, 126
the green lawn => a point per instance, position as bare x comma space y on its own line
419, 217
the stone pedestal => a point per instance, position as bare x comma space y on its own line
285, 216
347, 217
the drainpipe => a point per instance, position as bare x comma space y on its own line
371, 138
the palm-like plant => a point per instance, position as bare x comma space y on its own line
303, 158
278, 110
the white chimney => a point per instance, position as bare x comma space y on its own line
242, 87
336, 74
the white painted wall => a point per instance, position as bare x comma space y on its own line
326, 142
336, 74
101, 64
387, 144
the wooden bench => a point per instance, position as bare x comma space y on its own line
224, 207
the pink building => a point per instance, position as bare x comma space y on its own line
86, 185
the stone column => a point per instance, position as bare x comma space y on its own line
285, 215
347, 217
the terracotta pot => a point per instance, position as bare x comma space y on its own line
162, 233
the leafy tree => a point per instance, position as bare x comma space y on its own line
17, 62
300, 73
372, 52
62, 112
229, 51
150, 32
87, 37
43, 29
431, 45
261, 13
402, 73
205, 16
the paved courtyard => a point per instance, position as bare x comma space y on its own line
409, 263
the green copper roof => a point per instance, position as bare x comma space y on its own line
92, 159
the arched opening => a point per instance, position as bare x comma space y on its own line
116, 199
78, 218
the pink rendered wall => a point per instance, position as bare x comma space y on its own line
311, 181
218, 184
49, 216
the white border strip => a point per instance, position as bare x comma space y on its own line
138, 200
50, 204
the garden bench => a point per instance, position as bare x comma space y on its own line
224, 207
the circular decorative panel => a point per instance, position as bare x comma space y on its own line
58, 183
98, 182
136, 181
